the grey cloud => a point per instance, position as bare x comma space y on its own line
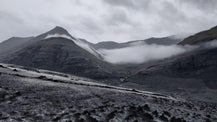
207, 5
98, 20
117, 17
130, 4
7, 16
8, 22
124, 3
89, 24
137, 54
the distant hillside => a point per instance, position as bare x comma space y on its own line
108, 45
115, 45
201, 37
194, 70
158, 41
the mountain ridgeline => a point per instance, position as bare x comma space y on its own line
158, 41
57, 50
61, 54
191, 70
201, 37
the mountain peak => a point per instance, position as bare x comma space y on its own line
55, 32
58, 30
59, 27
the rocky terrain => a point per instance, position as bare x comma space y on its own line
40, 95
176, 89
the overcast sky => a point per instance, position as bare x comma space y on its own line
106, 20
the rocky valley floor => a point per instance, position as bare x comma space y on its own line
39, 95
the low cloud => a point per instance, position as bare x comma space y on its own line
209, 45
140, 53
143, 53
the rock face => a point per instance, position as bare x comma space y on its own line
204, 36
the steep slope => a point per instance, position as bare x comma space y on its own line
38, 95
61, 54
55, 32
204, 36
57, 50
197, 67
13, 44
61, 32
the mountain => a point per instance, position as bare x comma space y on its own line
16, 43
13, 44
55, 32
158, 41
197, 67
190, 74
201, 37
108, 45
115, 45
38, 95
57, 50
177, 89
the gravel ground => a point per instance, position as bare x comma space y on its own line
31, 95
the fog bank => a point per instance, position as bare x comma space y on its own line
142, 53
